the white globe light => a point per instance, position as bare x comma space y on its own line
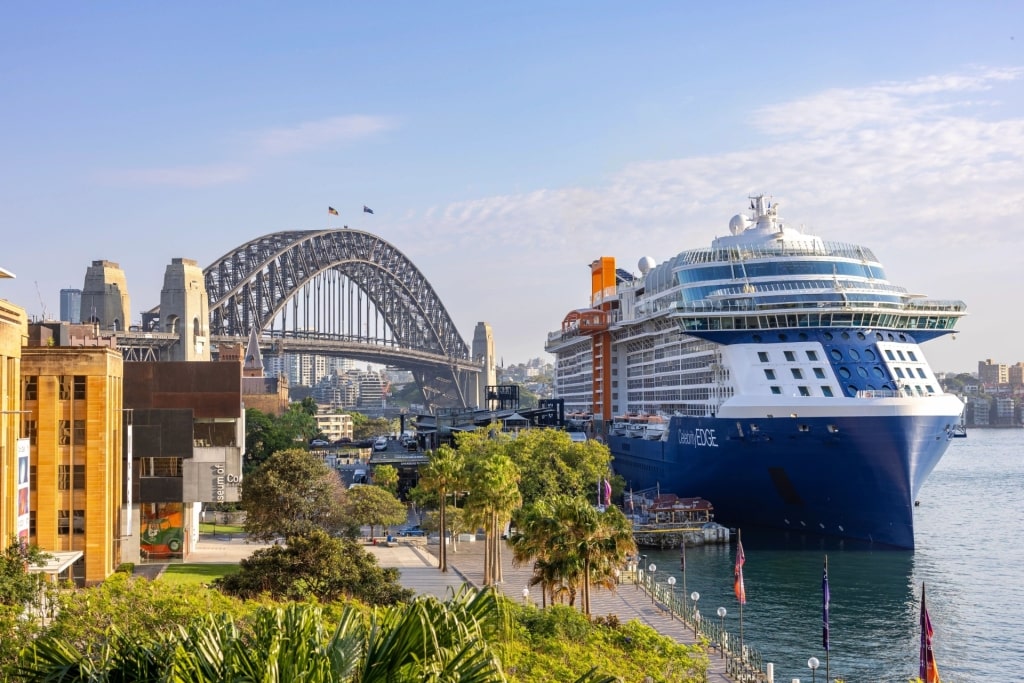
813, 663
671, 580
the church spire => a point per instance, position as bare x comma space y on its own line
253, 366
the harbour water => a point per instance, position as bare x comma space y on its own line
970, 529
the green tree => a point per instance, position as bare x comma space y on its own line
386, 476
299, 422
264, 436
315, 566
17, 585
552, 464
292, 493
373, 506
441, 476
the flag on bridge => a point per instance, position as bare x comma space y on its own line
367, 209
737, 574
929, 670
332, 211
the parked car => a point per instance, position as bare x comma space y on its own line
381, 443
319, 443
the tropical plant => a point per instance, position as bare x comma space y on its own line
573, 543
291, 494
493, 492
428, 640
442, 475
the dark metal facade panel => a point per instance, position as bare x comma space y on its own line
210, 389
160, 490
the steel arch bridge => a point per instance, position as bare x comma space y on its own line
344, 293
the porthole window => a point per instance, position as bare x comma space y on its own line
803, 336
836, 354
869, 387
851, 390
828, 336
783, 336
757, 338
860, 335
862, 371
903, 337
855, 354
869, 354
846, 335
878, 336
844, 373
878, 372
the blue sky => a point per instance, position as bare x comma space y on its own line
504, 146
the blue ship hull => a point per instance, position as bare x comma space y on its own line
851, 477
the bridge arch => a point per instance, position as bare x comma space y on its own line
346, 287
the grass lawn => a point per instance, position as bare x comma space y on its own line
207, 528
194, 574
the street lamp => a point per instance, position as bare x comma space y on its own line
618, 575
652, 568
526, 595
721, 635
695, 596
813, 664
672, 591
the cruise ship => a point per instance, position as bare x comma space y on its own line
776, 374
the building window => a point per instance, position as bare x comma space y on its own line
819, 373
789, 356
812, 355
769, 373
776, 390
32, 523
32, 478
31, 428
79, 387
64, 478
63, 522
826, 391
80, 432
797, 373
31, 388
64, 388
64, 433
160, 467
804, 391
762, 356
78, 521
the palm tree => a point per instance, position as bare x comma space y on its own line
443, 475
574, 544
493, 497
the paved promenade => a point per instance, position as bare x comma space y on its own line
417, 564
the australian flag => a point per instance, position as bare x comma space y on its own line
367, 209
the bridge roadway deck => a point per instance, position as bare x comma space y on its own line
417, 564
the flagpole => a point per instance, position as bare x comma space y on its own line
739, 542
828, 647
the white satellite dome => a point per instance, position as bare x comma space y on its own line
645, 265
738, 224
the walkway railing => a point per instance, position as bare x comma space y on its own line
744, 664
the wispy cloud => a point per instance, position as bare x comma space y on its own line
180, 176
274, 142
319, 134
